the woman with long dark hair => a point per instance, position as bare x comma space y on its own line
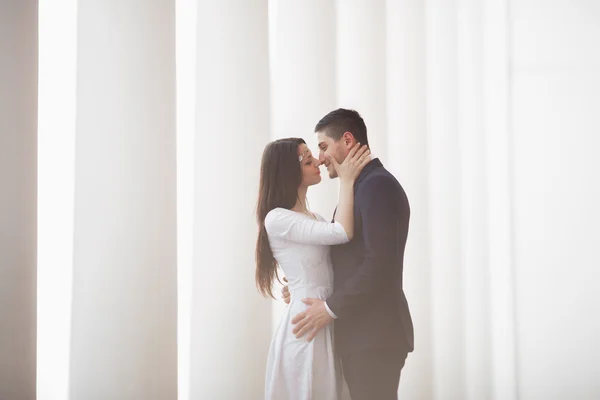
293, 238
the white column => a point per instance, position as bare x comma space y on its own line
18, 182
303, 87
231, 322
303, 80
444, 200
473, 211
361, 66
408, 161
186, 116
496, 76
124, 340
56, 166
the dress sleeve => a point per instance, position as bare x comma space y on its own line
295, 227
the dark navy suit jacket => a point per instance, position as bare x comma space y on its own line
368, 298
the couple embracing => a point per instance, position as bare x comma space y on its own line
347, 327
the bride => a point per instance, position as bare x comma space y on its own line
297, 240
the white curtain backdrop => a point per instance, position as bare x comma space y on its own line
485, 110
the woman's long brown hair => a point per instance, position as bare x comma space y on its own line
280, 178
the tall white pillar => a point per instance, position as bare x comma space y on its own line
186, 116
361, 66
408, 161
56, 166
444, 200
18, 210
124, 335
304, 80
303, 87
474, 210
231, 322
496, 87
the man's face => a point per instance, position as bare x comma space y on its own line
337, 149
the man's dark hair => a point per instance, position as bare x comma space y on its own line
343, 120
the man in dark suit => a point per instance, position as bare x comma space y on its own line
373, 326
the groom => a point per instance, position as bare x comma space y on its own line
373, 326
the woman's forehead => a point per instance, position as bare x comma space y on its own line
303, 150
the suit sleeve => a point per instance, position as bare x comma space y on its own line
380, 207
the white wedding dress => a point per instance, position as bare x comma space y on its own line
297, 369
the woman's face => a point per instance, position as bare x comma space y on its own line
311, 175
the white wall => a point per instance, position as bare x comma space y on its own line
555, 103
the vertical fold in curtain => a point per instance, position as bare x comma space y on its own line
408, 161
303, 79
499, 193
124, 283
361, 66
473, 213
445, 195
231, 322
18, 209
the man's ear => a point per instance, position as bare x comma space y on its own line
348, 139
